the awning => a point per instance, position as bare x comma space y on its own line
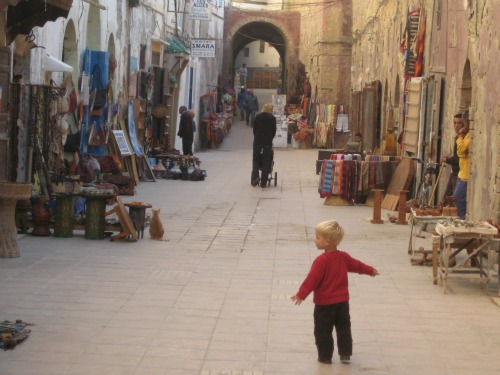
175, 46
51, 64
26, 15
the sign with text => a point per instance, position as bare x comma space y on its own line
202, 47
200, 10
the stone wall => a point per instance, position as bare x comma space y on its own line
469, 42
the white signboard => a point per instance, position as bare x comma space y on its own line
121, 142
202, 47
279, 102
201, 10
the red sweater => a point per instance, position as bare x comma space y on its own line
328, 277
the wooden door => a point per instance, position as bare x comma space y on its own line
371, 117
4, 112
412, 114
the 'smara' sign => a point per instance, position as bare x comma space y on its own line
202, 48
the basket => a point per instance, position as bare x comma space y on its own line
160, 111
15, 190
67, 187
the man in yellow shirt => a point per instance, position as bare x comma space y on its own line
463, 141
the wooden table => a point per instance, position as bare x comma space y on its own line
454, 239
419, 223
63, 226
95, 210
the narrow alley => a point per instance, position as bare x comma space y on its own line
215, 298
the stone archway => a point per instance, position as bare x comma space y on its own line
94, 29
281, 29
112, 64
70, 50
466, 87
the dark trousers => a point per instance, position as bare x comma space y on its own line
325, 318
461, 197
187, 146
452, 183
250, 116
266, 162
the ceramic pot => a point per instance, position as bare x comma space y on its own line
41, 216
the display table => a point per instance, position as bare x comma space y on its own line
137, 213
418, 223
10, 193
63, 226
458, 235
95, 210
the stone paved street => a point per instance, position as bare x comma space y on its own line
215, 298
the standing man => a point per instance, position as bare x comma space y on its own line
264, 131
453, 160
463, 141
251, 107
186, 130
243, 72
241, 102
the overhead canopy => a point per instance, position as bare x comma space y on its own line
175, 46
51, 64
24, 16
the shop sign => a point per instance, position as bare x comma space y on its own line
202, 47
201, 10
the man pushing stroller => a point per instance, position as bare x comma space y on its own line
264, 130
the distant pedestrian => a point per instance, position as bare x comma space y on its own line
186, 130
243, 72
453, 160
251, 107
328, 279
264, 131
241, 102
463, 141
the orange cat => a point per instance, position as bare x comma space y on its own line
156, 230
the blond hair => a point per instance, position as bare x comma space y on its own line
268, 107
331, 230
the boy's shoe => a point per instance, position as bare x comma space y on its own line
325, 361
255, 181
345, 358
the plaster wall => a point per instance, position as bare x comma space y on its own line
256, 59
325, 49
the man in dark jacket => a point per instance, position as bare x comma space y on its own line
251, 105
186, 130
264, 130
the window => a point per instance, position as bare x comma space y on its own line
155, 58
142, 58
262, 46
156, 49
246, 52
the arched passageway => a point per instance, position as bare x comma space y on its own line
281, 29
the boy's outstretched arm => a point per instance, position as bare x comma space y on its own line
296, 299
374, 273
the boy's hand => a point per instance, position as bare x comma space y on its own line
374, 273
296, 299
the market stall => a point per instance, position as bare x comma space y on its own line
458, 235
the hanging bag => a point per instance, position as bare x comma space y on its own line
100, 92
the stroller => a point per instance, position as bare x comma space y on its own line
270, 177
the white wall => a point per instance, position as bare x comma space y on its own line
257, 59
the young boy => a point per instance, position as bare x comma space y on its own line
328, 279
